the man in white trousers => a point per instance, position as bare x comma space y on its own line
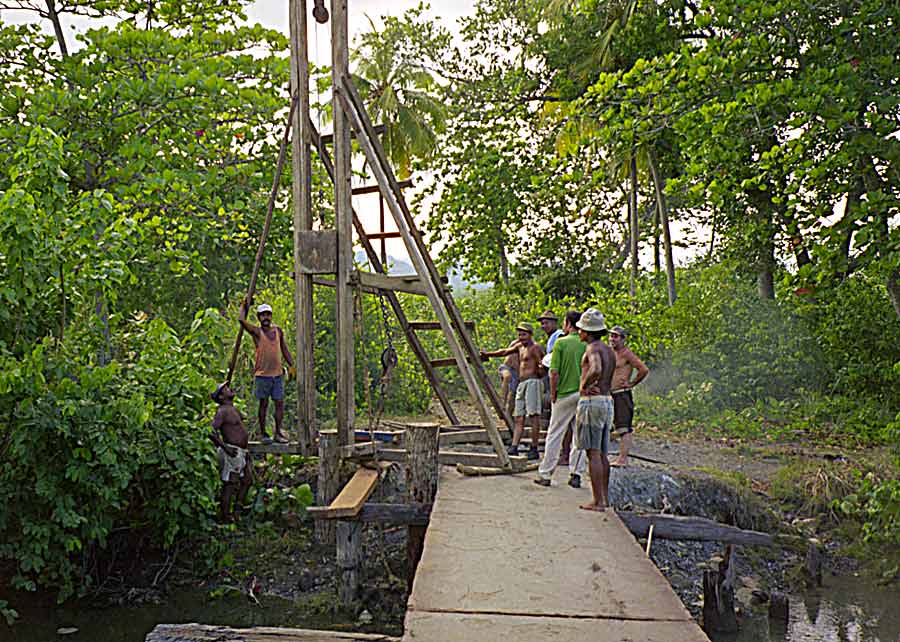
565, 376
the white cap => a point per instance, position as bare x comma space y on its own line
265, 307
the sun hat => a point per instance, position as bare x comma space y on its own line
264, 307
548, 314
525, 327
622, 332
592, 321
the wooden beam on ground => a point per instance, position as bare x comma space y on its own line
208, 633
693, 529
399, 514
487, 471
351, 498
450, 458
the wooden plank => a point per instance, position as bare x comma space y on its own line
352, 107
351, 498
259, 448
434, 325
400, 514
451, 458
486, 471
377, 265
443, 363
343, 204
317, 251
374, 189
207, 633
394, 283
380, 236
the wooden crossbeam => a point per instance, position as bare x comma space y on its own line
259, 448
434, 325
393, 283
328, 139
374, 189
377, 236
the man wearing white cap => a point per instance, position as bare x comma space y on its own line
594, 415
268, 371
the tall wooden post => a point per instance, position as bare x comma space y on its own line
349, 559
344, 222
422, 443
302, 196
329, 482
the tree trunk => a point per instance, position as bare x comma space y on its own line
57, 28
893, 288
504, 263
633, 223
663, 214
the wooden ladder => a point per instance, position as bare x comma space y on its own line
466, 355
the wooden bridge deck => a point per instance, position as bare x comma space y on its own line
507, 559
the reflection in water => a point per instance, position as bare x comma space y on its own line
847, 609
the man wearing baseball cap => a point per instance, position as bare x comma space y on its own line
268, 371
231, 439
528, 392
623, 403
594, 414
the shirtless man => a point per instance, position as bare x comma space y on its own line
623, 404
528, 393
268, 371
230, 437
593, 418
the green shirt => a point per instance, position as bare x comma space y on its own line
566, 360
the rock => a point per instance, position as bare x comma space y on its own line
66, 630
364, 618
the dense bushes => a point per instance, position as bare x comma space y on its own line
90, 452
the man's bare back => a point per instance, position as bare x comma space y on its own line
597, 367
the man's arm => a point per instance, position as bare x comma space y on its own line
514, 347
284, 349
637, 364
554, 384
242, 319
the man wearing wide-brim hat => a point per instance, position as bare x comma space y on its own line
594, 415
529, 391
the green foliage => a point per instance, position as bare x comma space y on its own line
875, 504
107, 449
9, 614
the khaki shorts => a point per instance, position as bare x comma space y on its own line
528, 398
593, 422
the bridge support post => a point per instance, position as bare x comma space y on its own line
329, 481
422, 443
349, 557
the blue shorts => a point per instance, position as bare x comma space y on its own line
270, 387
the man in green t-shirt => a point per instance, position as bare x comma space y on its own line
565, 377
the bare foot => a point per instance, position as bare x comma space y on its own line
594, 507
280, 438
618, 463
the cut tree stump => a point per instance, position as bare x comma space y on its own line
718, 596
421, 484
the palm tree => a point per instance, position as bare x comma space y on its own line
399, 94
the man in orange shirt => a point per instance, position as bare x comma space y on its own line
623, 404
268, 371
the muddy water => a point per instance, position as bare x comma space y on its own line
132, 624
847, 609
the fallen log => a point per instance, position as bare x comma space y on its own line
698, 529
207, 633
